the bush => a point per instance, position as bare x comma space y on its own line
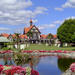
5, 48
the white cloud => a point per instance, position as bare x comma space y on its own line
14, 4
52, 25
61, 21
40, 10
72, 17
35, 20
59, 9
41, 27
14, 12
4, 29
58, 22
69, 3
47, 26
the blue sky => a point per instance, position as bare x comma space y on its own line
47, 15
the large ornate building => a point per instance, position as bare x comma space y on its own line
32, 32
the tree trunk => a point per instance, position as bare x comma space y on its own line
61, 44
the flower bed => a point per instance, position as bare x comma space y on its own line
37, 51
44, 51
13, 70
7, 51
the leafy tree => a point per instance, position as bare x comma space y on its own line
17, 39
29, 34
50, 36
66, 32
73, 38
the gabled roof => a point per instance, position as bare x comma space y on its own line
23, 36
26, 30
44, 36
5, 35
13, 35
55, 36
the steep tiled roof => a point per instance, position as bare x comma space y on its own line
23, 36
55, 36
44, 36
26, 30
5, 35
13, 35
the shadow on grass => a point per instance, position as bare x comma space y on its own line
73, 49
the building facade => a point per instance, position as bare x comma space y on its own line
33, 33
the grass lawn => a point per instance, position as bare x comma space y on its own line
44, 47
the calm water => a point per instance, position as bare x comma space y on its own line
45, 65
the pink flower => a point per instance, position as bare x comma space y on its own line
72, 67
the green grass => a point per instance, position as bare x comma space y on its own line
41, 47
44, 47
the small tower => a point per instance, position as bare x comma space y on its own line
31, 22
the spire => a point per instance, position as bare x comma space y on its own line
31, 22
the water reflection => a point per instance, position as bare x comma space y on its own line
22, 59
34, 61
48, 65
64, 63
6, 59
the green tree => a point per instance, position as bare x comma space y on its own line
50, 36
66, 32
73, 38
29, 34
17, 39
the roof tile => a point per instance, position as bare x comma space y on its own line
26, 30
5, 35
23, 36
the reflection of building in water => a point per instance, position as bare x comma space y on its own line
34, 61
6, 60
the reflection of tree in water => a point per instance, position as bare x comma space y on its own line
64, 63
21, 59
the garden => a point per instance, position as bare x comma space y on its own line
41, 59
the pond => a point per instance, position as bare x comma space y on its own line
45, 65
